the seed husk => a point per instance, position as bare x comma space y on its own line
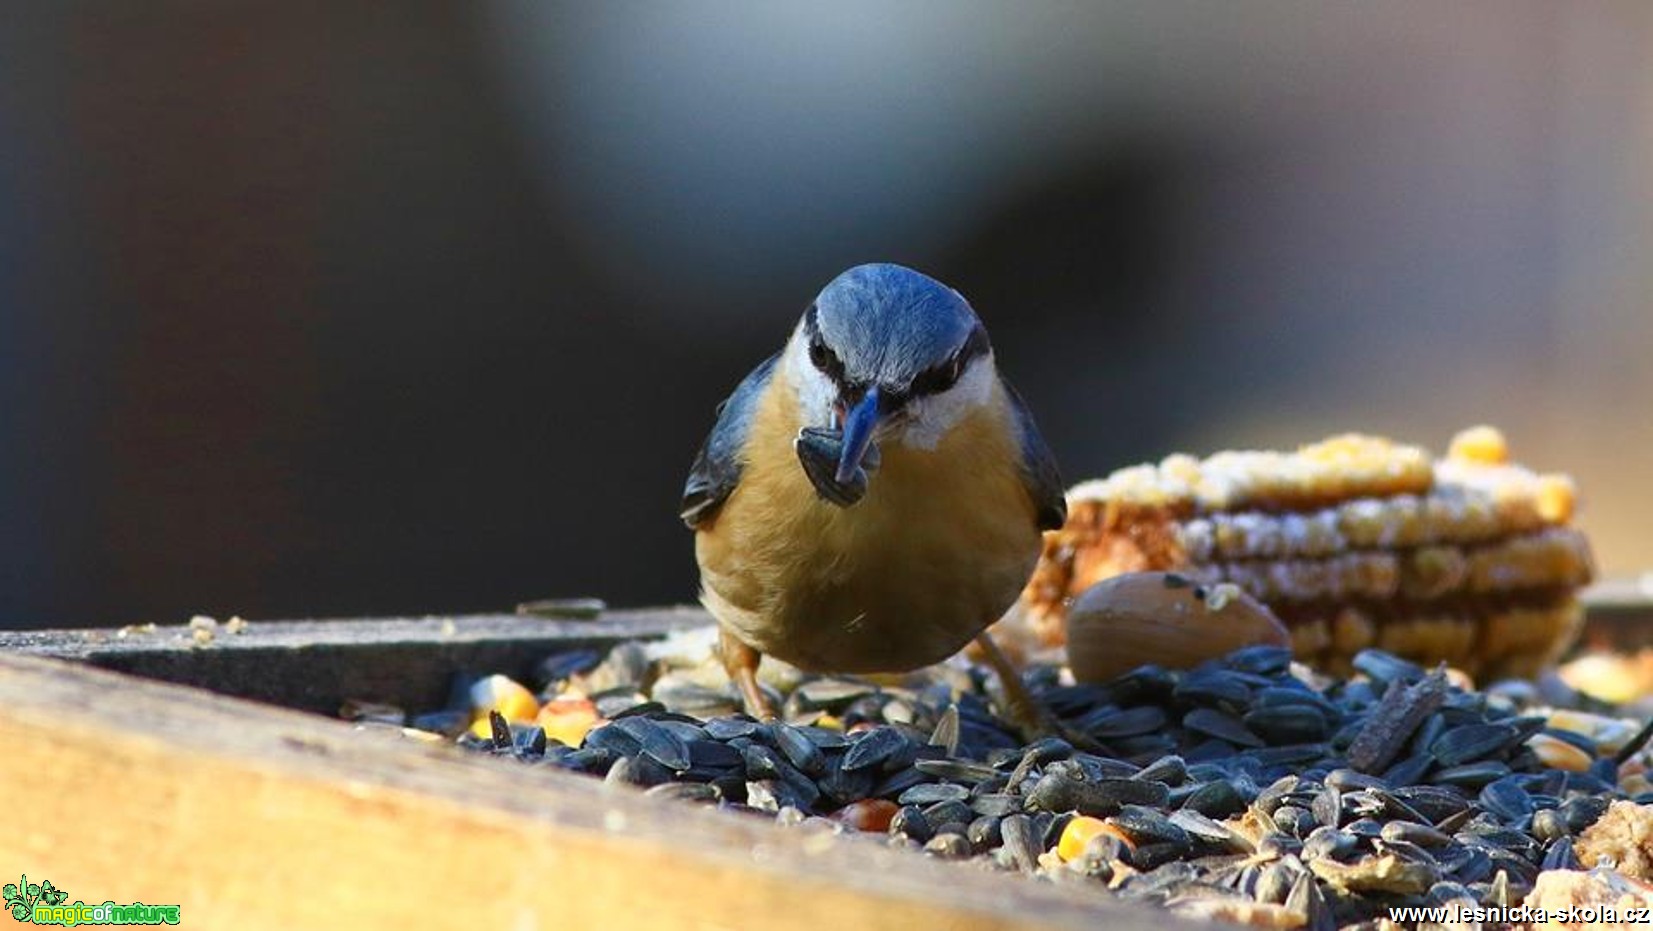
1021, 842
1060, 791
1397, 716
1386, 873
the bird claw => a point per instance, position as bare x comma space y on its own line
1031, 718
819, 451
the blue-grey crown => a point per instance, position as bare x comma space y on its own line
889, 325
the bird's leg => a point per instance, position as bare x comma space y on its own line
1025, 711
741, 662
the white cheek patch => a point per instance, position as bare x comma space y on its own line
929, 419
815, 392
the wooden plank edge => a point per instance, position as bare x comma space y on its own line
314, 665
1618, 615
91, 642
255, 817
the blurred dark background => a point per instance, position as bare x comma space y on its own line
348, 308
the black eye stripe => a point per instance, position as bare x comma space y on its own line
820, 355
939, 378
934, 380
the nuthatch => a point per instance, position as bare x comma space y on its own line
873, 495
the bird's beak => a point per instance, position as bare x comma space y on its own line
859, 423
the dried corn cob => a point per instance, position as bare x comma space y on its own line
1355, 542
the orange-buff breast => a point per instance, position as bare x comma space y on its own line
938, 549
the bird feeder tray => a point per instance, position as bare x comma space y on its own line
212, 772
217, 776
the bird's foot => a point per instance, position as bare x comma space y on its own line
819, 450
1032, 719
741, 662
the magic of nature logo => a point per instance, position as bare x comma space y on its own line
42, 903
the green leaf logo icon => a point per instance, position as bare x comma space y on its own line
22, 897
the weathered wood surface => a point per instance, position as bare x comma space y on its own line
254, 817
1618, 614
250, 816
316, 665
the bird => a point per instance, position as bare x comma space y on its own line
872, 496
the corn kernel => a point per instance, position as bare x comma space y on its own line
1609, 678
1554, 497
1479, 444
1458, 678
1079, 832
504, 695
567, 720
1559, 754
1610, 734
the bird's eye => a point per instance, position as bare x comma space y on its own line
940, 378
826, 361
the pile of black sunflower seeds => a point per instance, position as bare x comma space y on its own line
1246, 788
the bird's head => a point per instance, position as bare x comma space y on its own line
884, 354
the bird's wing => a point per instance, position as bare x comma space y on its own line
716, 468
1039, 473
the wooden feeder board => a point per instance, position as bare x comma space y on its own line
217, 777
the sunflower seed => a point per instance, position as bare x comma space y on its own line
728, 728
1549, 825
1218, 799
946, 733
1213, 688
1410, 832
961, 771
910, 821
1061, 792
983, 832
949, 811
1560, 856
831, 694
1386, 668
1170, 769
1304, 899
1328, 842
1131, 722
1471, 775
932, 792
948, 846
1507, 800
685, 791
659, 742
1147, 825
1288, 724
1472, 742
874, 748
1222, 726
798, 748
